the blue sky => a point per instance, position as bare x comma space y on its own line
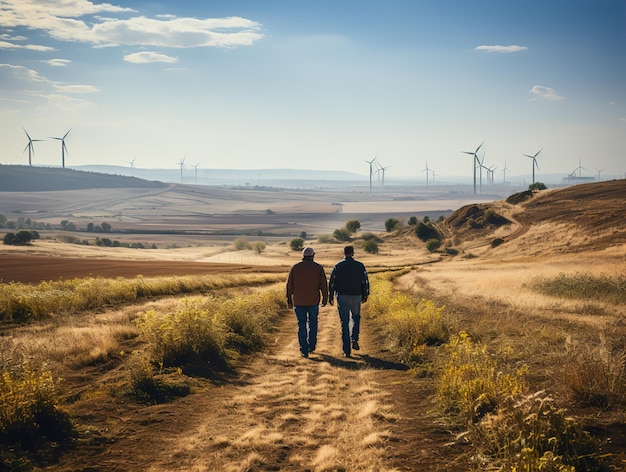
321, 84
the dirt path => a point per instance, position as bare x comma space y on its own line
283, 413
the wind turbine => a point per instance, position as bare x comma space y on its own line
599, 171
427, 170
580, 169
534, 158
383, 169
63, 147
504, 172
196, 169
132, 165
30, 147
490, 171
181, 164
371, 171
475, 161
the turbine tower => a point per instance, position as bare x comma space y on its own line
371, 163
30, 147
534, 158
132, 165
504, 172
196, 169
63, 147
599, 171
181, 164
475, 161
427, 170
383, 169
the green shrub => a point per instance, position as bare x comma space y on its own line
342, 234
353, 225
392, 224
259, 246
433, 244
371, 247
426, 231
296, 244
537, 186
412, 221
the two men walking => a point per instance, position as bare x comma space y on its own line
306, 287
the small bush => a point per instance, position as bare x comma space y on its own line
241, 244
370, 237
353, 225
537, 186
371, 247
392, 224
296, 244
259, 246
426, 231
342, 234
412, 221
433, 244
497, 242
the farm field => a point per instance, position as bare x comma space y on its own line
268, 409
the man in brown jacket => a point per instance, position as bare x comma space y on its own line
306, 281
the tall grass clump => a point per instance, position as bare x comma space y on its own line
409, 323
584, 286
212, 329
594, 376
510, 429
471, 382
21, 302
31, 420
531, 433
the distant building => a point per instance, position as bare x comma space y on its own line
577, 179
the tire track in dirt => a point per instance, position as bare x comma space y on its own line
289, 413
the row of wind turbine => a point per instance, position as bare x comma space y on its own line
31, 147
478, 163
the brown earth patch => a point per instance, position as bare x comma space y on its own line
33, 269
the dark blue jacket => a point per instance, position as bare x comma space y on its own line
349, 277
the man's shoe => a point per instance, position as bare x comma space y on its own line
347, 355
311, 350
355, 345
304, 354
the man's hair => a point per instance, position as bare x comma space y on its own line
348, 251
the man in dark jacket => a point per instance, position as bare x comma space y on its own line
349, 281
306, 281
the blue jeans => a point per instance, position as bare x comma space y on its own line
349, 307
307, 326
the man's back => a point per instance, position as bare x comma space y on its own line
349, 277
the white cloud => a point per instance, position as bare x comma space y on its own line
546, 93
501, 49
61, 19
32, 47
58, 62
147, 57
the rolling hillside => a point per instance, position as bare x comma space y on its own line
45, 179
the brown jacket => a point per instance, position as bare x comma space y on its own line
305, 282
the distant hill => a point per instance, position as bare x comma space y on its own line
45, 179
571, 219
